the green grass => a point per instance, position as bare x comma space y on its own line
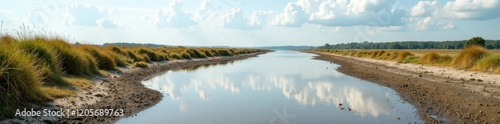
489, 63
47, 59
20, 80
104, 59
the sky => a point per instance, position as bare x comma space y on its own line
249, 23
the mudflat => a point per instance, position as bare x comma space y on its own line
442, 95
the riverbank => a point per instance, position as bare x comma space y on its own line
442, 94
121, 89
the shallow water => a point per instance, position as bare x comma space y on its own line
277, 87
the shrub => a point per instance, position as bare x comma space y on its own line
468, 57
479, 41
489, 63
141, 64
19, 81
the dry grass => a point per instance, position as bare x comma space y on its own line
489, 63
141, 64
472, 58
469, 56
36, 68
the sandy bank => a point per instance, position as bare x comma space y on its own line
442, 94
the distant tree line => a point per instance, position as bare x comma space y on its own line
133, 44
490, 44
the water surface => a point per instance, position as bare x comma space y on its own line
278, 87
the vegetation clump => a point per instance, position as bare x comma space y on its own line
141, 64
489, 63
36, 68
469, 56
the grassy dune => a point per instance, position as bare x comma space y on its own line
37, 68
475, 58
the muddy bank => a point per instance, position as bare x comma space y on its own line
439, 98
120, 89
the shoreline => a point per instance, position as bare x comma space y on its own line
440, 95
120, 89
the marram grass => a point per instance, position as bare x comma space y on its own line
36, 68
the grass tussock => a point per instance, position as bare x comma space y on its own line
36, 68
472, 58
433, 58
469, 56
141, 64
403, 55
104, 59
20, 81
489, 63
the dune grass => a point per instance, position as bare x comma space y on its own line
471, 58
141, 64
489, 63
38, 68
20, 80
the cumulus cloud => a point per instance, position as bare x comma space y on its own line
459, 9
293, 15
173, 16
202, 11
424, 8
106, 23
341, 13
472, 9
89, 15
236, 20
429, 23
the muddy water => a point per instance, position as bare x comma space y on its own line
278, 87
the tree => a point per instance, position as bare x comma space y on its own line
475, 41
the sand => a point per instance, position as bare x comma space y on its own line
441, 94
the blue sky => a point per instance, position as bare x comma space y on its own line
255, 22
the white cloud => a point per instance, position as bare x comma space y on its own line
106, 23
472, 9
424, 8
293, 15
341, 13
89, 15
235, 19
429, 23
173, 16
459, 9
202, 11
